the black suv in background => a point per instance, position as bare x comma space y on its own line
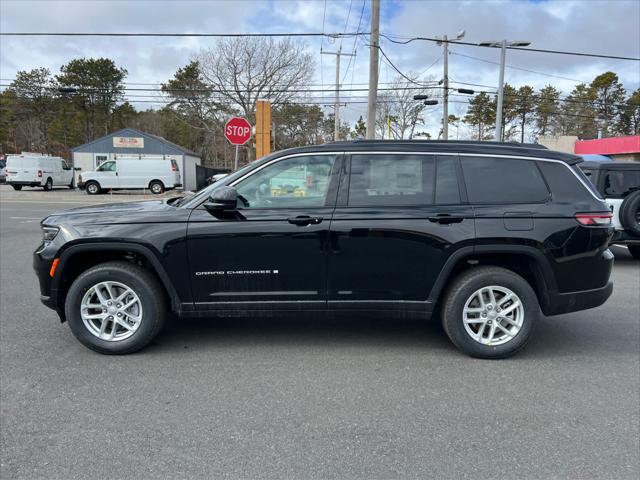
619, 185
486, 234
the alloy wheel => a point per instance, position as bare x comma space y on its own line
111, 311
493, 315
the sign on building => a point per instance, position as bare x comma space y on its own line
128, 142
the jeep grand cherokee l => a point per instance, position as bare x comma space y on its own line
489, 235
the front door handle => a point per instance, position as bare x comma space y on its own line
445, 218
304, 220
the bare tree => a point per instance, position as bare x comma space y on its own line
242, 70
398, 112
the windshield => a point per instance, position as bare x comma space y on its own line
194, 200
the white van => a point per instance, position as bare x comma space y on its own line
157, 175
35, 170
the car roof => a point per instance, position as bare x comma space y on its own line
444, 146
610, 165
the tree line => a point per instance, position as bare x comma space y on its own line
89, 98
601, 107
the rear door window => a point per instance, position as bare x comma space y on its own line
503, 180
391, 179
620, 183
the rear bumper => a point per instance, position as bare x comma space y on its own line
24, 184
576, 301
622, 237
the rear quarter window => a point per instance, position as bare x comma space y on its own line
503, 180
564, 184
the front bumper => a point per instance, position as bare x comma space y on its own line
48, 294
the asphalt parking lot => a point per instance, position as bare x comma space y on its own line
309, 398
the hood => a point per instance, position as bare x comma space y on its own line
149, 211
139, 206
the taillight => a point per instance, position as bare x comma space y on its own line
174, 167
39, 173
594, 219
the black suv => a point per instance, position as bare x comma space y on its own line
486, 234
619, 184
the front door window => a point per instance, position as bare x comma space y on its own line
298, 182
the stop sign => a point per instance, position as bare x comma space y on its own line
237, 130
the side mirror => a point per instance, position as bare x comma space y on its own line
222, 199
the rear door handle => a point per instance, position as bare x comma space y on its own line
445, 218
304, 220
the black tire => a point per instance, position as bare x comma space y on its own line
464, 286
634, 250
48, 185
17, 187
93, 188
142, 282
156, 187
629, 210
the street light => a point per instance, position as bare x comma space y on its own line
503, 47
65, 92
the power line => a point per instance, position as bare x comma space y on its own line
303, 34
388, 60
355, 42
519, 68
539, 50
151, 34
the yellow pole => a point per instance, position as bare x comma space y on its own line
263, 128
388, 126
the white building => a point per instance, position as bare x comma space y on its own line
132, 143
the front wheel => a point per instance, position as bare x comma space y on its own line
634, 250
116, 308
93, 188
489, 312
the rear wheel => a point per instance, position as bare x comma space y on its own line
48, 185
634, 250
17, 187
489, 312
116, 308
93, 188
156, 187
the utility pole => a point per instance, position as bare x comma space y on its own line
503, 51
336, 114
445, 99
445, 83
503, 44
373, 69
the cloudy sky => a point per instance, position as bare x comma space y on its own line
603, 27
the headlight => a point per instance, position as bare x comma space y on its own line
49, 233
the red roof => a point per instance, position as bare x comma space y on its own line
609, 146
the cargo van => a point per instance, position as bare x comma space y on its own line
157, 175
35, 170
